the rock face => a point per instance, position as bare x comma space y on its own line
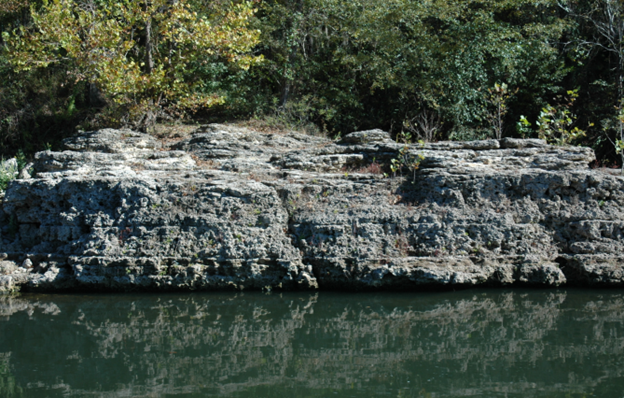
235, 208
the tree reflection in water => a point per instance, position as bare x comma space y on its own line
524, 343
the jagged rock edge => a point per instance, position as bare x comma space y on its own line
312, 270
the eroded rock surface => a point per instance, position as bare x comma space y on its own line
234, 208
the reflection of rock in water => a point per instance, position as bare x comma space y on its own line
11, 305
468, 343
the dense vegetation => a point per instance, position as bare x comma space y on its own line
427, 69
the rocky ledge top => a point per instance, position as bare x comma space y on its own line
234, 208
125, 153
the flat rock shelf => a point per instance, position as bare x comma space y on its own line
233, 208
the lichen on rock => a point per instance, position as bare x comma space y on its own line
233, 208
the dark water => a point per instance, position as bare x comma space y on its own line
476, 343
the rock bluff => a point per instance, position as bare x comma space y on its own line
232, 208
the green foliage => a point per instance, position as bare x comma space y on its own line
14, 13
8, 171
7, 174
34, 108
406, 160
556, 124
497, 100
21, 160
391, 64
595, 49
431, 69
523, 127
617, 125
143, 56
404, 137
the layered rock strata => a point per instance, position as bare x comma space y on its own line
232, 208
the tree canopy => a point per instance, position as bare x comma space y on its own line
453, 69
142, 55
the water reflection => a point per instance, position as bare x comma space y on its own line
471, 343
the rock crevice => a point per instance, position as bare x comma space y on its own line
232, 208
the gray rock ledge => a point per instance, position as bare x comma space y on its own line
232, 208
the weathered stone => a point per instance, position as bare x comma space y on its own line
112, 141
24, 174
522, 143
232, 208
366, 137
6, 284
9, 168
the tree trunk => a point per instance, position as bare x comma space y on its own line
285, 94
149, 61
292, 57
96, 99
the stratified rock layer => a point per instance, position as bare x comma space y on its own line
234, 208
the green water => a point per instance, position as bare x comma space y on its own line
475, 343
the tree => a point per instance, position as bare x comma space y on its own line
497, 99
605, 22
13, 13
11, 7
365, 63
606, 17
446, 54
142, 55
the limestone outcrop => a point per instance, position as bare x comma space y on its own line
233, 208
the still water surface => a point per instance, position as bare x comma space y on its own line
475, 343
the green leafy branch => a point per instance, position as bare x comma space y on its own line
556, 124
618, 141
497, 98
406, 160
